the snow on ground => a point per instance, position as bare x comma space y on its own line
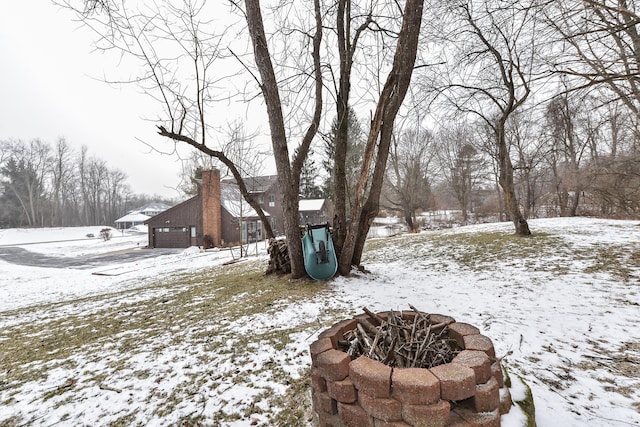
22, 285
562, 309
73, 241
560, 326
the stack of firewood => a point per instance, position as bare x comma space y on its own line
401, 341
279, 261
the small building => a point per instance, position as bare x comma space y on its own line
140, 215
313, 211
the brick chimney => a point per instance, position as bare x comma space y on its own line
211, 213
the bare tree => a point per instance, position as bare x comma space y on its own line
62, 174
407, 181
599, 46
366, 205
461, 164
289, 170
567, 151
116, 193
493, 45
348, 33
179, 51
96, 173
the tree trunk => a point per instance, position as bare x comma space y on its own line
409, 220
464, 203
391, 98
346, 51
288, 174
339, 178
269, 87
575, 201
507, 184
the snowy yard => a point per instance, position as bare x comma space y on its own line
184, 338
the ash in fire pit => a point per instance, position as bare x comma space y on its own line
401, 341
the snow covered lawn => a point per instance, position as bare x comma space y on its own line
183, 338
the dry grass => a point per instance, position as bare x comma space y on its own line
200, 322
186, 311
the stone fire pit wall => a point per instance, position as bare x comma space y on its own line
364, 392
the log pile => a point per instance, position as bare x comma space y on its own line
400, 341
278, 257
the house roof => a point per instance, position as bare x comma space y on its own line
133, 217
174, 208
154, 207
256, 184
137, 215
308, 205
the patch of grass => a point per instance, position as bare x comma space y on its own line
197, 298
478, 251
124, 421
616, 260
474, 251
199, 308
527, 404
296, 403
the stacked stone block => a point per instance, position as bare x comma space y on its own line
364, 392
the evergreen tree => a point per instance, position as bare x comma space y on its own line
309, 189
355, 146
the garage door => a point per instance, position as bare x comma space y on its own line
171, 237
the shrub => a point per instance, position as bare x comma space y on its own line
105, 233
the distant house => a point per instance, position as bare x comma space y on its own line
140, 215
313, 211
219, 215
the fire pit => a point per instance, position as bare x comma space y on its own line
357, 381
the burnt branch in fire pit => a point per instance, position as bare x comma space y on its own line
401, 340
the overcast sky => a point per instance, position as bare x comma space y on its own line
50, 88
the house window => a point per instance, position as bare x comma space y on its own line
272, 200
193, 231
261, 199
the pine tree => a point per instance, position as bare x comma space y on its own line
309, 189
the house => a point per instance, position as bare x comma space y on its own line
194, 222
313, 211
238, 216
140, 215
219, 215
266, 191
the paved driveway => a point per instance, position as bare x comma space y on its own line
16, 255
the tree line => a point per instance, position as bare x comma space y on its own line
572, 156
572, 159
536, 102
47, 185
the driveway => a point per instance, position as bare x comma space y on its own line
20, 256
